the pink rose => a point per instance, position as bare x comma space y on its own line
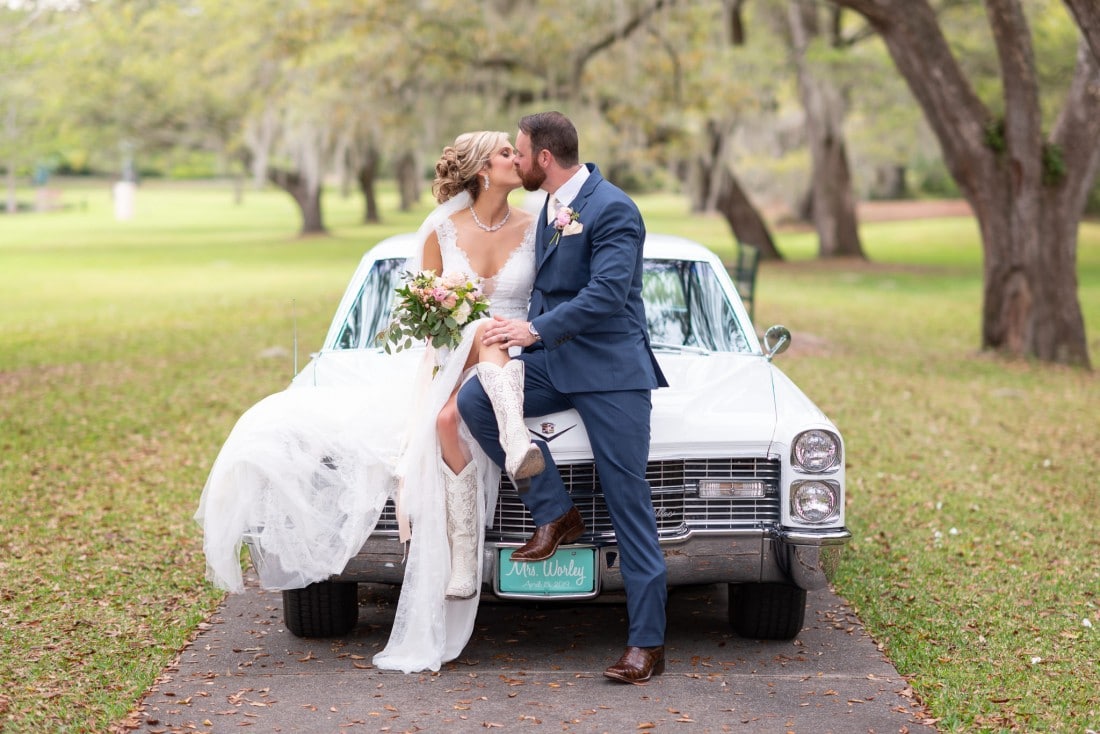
563, 217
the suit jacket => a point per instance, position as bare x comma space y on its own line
587, 298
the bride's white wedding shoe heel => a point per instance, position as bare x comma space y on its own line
504, 386
460, 493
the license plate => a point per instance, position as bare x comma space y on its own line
569, 572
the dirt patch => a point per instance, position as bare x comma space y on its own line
890, 211
877, 211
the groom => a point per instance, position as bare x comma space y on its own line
587, 347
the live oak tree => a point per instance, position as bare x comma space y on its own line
17, 100
675, 95
1026, 184
833, 200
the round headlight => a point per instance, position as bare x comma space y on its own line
814, 501
815, 451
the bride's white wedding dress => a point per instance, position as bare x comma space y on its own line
308, 471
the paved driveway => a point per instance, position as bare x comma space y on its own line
532, 668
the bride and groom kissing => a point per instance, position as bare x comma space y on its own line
565, 296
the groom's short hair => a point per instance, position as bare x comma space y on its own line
554, 132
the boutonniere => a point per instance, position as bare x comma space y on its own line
566, 221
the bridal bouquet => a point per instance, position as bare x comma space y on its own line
433, 308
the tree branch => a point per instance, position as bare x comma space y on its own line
584, 55
916, 42
1087, 13
1078, 126
1023, 126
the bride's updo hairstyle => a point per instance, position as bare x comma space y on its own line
456, 170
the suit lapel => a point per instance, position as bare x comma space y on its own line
542, 249
543, 233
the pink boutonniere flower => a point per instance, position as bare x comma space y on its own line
566, 221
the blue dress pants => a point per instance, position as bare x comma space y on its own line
618, 424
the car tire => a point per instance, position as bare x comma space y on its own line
323, 609
767, 611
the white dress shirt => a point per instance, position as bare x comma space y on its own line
566, 193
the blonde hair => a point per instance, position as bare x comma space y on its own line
457, 169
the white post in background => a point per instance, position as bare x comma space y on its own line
124, 190
123, 195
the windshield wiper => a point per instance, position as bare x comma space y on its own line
679, 348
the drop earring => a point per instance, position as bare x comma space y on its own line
486, 177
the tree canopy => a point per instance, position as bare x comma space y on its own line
740, 104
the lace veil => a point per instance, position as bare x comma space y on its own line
442, 212
428, 629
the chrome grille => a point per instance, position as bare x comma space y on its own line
715, 514
676, 504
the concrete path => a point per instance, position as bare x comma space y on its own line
531, 668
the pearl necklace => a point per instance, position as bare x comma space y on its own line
496, 226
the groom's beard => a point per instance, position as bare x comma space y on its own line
532, 180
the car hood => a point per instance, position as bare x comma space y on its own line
716, 404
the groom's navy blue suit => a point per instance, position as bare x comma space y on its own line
594, 356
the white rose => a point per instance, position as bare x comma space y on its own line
462, 313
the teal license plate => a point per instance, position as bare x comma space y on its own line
569, 572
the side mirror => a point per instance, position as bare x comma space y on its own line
776, 340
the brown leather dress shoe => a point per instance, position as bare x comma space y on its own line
638, 664
548, 537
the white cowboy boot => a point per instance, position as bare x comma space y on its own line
460, 493
504, 386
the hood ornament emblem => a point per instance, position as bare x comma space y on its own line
548, 431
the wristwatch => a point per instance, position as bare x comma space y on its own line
534, 332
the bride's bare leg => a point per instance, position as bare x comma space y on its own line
450, 445
446, 423
481, 353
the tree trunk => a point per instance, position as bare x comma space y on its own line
889, 182
745, 221
714, 187
408, 181
307, 198
365, 175
12, 201
1028, 192
1030, 301
238, 189
734, 21
707, 167
1029, 295
1087, 15
834, 205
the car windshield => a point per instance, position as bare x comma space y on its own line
685, 306
370, 312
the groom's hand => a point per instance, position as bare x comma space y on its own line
504, 333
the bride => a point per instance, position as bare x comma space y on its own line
265, 479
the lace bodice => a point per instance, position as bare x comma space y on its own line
509, 289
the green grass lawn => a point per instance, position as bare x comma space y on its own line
128, 350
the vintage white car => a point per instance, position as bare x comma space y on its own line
747, 473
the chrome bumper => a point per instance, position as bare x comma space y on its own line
806, 558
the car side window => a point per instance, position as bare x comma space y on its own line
686, 306
370, 312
